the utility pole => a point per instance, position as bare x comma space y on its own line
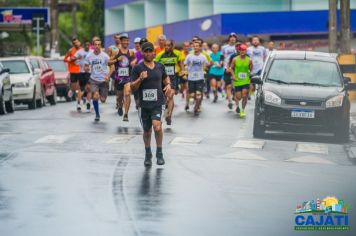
74, 18
345, 37
332, 26
54, 25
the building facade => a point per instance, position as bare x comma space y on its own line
181, 19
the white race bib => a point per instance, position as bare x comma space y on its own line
196, 75
149, 95
123, 72
170, 70
97, 68
242, 75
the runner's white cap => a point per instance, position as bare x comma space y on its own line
137, 40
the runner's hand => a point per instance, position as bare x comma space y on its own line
106, 78
167, 90
143, 75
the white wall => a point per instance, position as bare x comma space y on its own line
232, 6
155, 12
200, 8
176, 10
301, 5
134, 16
114, 21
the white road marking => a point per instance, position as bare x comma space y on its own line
251, 144
310, 159
55, 139
120, 139
186, 140
243, 155
312, 148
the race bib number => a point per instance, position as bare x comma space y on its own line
97, 68
196, 76
149, 95
170, 70
123, 72
242, 75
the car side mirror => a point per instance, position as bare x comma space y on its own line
347, 80
5, 70
37, 71
256, 79
351, 86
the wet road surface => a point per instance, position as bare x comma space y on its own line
63, 174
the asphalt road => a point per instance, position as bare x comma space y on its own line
62, 174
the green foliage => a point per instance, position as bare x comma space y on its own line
21, 3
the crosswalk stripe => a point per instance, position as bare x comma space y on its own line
243, 155
312, 148
186, 140
250, 144
55, 139
310, 159
120, 139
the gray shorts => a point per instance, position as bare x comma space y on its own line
101, 87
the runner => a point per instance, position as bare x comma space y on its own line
241, 67
97, 63
148, 78
139, 59
227, 50
216, 71
112, 48
170, 58
80, 56
161, 41
206, 79
137, 44
258, 55
123, 60
183, 82
270, 48
74, 70
195, 63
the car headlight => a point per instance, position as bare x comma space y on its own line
335, 101
272, 98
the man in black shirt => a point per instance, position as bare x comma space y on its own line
148, 77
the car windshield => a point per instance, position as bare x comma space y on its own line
57, 65
305, 72
16, 67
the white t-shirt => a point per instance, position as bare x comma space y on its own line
258, 55
195, 65
98, 65
81, 54
227, 50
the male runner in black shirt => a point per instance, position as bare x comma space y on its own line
148, 77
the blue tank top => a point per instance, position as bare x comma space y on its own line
216, 58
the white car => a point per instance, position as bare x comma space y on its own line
6, 98
25, 80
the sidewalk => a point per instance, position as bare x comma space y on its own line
350, 147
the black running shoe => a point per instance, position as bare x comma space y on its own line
230, 106
148, 159
160, 160
120, 111
238, 110
169, 120
88, 106
186, 108
97, 118
215, 99
126, 118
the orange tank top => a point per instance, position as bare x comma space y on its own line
72, 66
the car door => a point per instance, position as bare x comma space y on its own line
34, 66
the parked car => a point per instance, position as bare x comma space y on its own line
61, 74
47, 78
302, 92
6, 98
25, 81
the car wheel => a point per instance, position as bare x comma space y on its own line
2, 105
258, 129
342, 134
32, 104
39, 102
9, 105
53, 98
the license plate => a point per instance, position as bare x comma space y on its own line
307, 114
